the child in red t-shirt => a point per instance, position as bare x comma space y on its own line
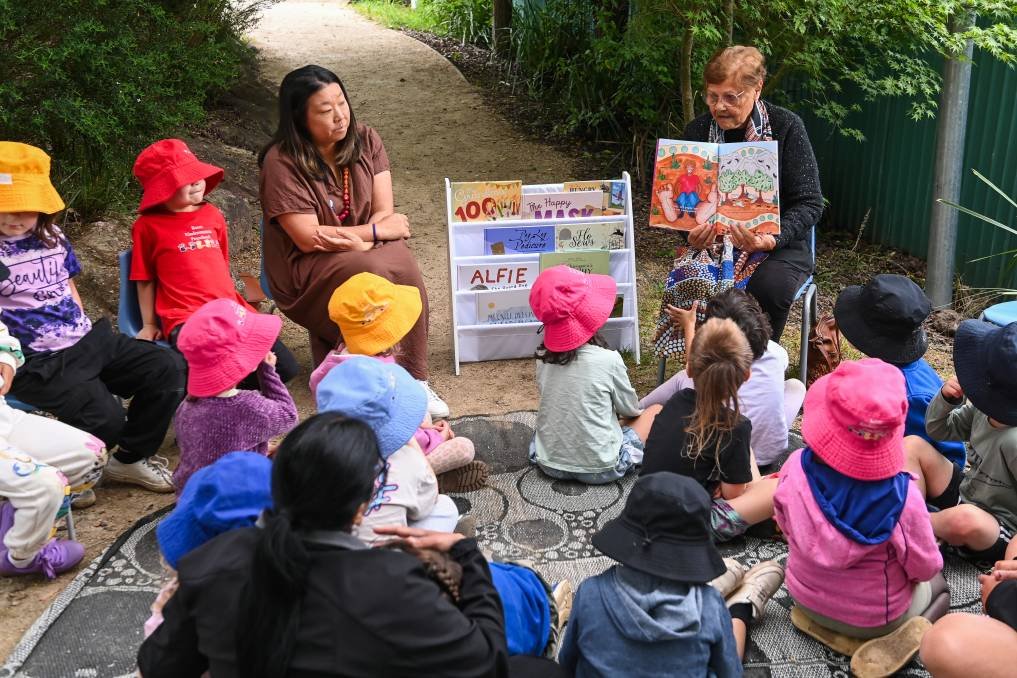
181, 247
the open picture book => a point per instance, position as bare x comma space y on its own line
724, 184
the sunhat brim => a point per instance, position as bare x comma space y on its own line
589, 315
259, 334
972, 362
161, 188
850, 313
410, 406
844, 451
389, 328
30, 193
678, 560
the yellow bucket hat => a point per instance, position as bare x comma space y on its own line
24, 180
373, 313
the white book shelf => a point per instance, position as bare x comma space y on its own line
473, 341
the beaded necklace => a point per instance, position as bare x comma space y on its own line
346, 196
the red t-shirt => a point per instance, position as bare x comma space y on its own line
187, 255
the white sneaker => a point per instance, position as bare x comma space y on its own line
436, 407
151, 473
758, 586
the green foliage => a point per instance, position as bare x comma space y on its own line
397, 14
469, 21
94, 82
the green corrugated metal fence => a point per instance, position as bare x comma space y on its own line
890, 174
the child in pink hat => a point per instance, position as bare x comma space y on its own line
223, 342
584, 387
180, 256
862, 559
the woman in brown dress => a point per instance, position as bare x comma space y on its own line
329, 213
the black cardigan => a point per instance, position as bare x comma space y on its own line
801, 199
370, 612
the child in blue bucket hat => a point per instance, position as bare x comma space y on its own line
977, 509
226, 495
393, 404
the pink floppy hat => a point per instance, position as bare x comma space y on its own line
854, 419
572, 305
223, 342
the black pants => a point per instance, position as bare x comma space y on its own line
78, 385
777, 280
286, 365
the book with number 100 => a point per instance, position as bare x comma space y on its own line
486, 200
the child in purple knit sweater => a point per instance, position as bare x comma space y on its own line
223, 342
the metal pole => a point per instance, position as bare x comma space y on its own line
951, 131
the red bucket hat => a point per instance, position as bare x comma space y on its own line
854, 419
572, 305
165, 166
223, 342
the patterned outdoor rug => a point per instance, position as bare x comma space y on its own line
93, 629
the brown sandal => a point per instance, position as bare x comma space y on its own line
838, 642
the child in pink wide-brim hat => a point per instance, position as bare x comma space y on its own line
584, 386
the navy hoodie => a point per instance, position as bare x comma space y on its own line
626, 622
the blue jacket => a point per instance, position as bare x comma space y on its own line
627, 623
923, 384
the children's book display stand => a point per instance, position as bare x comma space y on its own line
473, 340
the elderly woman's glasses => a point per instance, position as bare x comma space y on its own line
729, 99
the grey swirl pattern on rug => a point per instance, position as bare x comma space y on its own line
94, 627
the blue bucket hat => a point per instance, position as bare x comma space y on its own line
382, 395
223, 496
985, 357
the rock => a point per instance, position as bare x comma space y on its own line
945, 321
97, 246
242, 219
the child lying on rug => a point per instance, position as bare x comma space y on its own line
654, 613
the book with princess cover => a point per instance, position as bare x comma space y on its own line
695, 182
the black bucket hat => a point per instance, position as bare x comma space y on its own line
664, 530
883, 318
985, 357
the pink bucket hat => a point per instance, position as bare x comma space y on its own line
854, 419
223, 342
165, 166
572, 305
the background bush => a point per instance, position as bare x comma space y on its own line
94, 82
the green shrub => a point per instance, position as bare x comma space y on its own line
396, 14
466, 20
93, 82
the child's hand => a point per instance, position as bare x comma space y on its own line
952, 390
149, 333
444, 429
270, 359
7, 376
681, 317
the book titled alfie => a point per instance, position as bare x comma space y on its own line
496, 276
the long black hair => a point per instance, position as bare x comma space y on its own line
549, 357
292, 134
324, 471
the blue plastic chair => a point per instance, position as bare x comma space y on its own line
1001, 314
810, 310
128, 310
19, 404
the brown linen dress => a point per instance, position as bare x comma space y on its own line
303, 282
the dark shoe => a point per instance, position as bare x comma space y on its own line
468, 478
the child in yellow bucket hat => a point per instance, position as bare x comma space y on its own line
373, 315
74, 369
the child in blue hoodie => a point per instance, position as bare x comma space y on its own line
655, 613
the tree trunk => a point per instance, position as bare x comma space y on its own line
501, 36
688, 96
729, 12
951, 131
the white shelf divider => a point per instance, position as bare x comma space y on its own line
505, 341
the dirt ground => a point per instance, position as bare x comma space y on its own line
434, 125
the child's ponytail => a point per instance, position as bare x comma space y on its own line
719, 365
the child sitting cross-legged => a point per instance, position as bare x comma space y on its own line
862, 560
223, 343
584, 387
392, 403
180, 259
883, 319
373, 315
977, 509
701, 433
660, 611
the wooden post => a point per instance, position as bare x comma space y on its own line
501, 32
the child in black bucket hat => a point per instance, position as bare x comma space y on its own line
978, 509
883, 319
655, 612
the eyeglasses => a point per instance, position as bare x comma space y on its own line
729, 99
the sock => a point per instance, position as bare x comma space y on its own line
741, 611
